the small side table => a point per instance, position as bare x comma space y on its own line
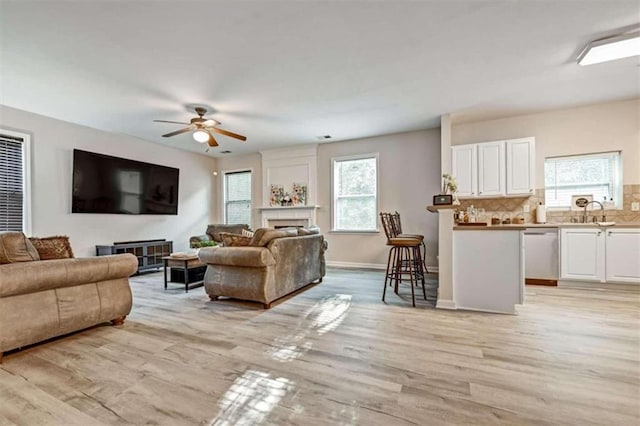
186, 264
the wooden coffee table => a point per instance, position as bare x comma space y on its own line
186, 264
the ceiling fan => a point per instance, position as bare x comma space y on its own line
202, 129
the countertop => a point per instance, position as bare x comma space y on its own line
522, 227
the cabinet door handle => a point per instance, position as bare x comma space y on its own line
479, 192
599, 232
609, 233
531, 190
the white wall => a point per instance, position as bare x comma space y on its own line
601, 127
52, 147
409, 176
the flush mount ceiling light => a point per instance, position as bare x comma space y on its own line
201, 136
611, 49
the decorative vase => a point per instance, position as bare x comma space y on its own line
456, 202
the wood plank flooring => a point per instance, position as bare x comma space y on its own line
335, 354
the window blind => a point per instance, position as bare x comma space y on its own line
589, 174
11, 183
238, 197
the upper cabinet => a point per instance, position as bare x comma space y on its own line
521, 166
491, 169
464, 164
494, 169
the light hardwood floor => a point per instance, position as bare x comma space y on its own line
335, 354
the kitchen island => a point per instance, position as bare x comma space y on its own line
488, 268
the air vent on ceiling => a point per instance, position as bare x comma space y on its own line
225, 152
323, 137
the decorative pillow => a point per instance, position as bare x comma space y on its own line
311, 230
214, 231
15, 247
234, 240
247, 233
262, 236
56, 247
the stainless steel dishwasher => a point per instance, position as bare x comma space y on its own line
541, 256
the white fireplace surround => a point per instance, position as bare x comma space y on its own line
285, 167
272, 217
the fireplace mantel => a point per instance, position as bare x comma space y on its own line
289, 208
288, 215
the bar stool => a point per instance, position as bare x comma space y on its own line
404, 259
397, 227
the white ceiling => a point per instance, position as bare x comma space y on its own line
285, 72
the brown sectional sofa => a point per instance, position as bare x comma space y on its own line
277, 263
213, 233
44, 299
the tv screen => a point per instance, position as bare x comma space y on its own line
105, 184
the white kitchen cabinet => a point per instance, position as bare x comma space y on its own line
495, 169
623, 255
582, 254
491, 169
521, 159
464, 167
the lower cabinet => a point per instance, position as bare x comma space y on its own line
600, 254
623, 255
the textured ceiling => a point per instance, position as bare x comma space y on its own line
283, 73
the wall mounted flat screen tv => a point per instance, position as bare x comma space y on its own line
105, 184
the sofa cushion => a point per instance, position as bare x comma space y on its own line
16, 247
262, 236
57, 247
255, 257
234, 240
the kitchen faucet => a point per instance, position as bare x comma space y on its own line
585, 215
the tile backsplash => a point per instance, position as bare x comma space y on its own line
513, 207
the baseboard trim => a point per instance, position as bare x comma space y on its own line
355, 265
594, 285
446, 304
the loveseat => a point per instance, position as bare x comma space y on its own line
213, 233
41, 299
276, 263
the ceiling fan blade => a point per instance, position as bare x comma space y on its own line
212, 141
178, 132
230, 134
172, 122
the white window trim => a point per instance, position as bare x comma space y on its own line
223, 191
618, 177
26, 164
334, 160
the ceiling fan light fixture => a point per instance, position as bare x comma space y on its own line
611, 49
201, 136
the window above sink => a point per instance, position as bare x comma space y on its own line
599, 175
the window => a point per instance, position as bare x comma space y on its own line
237, 197
592, 174
355, 193
14, 179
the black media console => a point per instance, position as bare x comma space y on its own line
148, 252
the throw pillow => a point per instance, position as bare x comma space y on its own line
234, 240
16, 247
247, 233
57, 247
262, 236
